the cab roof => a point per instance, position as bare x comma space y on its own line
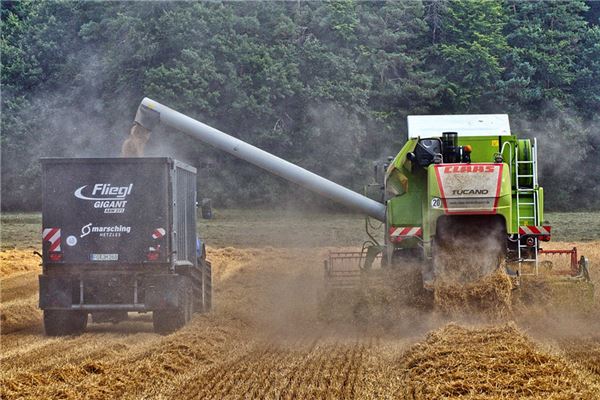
427, 126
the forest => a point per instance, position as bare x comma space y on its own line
327, 85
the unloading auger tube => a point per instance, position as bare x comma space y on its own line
151, 113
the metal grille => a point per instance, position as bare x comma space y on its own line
185, 214
344, 270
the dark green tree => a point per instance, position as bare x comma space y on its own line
327, 85
545, 40
468, 53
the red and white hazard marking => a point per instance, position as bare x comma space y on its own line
535, 230
52, 235
158, 233
398, 234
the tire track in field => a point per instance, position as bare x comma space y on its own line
317, 380
319, 373
293, 361
205, 384
291, 370
338, 371
241, 377
353, 370
281, 367
248, 371
319, 359
297, 378
302, 358
329, 366
234, 379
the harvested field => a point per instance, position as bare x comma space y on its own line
17, 261
491, 362
265, 340
584, 351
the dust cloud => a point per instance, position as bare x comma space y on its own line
567, 156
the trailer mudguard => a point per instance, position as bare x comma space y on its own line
164, 291
55, 292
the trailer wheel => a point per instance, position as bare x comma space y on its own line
64, 322
168, 321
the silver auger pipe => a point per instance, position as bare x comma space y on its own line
150, 113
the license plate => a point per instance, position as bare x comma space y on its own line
104, 257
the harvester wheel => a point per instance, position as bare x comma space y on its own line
64, 322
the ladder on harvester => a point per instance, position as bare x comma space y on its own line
522, 190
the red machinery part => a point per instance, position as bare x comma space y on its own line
573, 252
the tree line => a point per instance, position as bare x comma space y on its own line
327, 85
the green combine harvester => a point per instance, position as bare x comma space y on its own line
460, 200
462, 184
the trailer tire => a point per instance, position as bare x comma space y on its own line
169, 320
64, 322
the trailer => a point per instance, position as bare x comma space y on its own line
119, 236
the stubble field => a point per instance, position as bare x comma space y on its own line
264, 339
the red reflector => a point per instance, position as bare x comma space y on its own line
55, 256
545, 238
152, 255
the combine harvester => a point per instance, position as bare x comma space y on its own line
462, 190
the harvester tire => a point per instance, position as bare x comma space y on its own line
64, 322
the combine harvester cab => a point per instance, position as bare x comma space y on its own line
119, 236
